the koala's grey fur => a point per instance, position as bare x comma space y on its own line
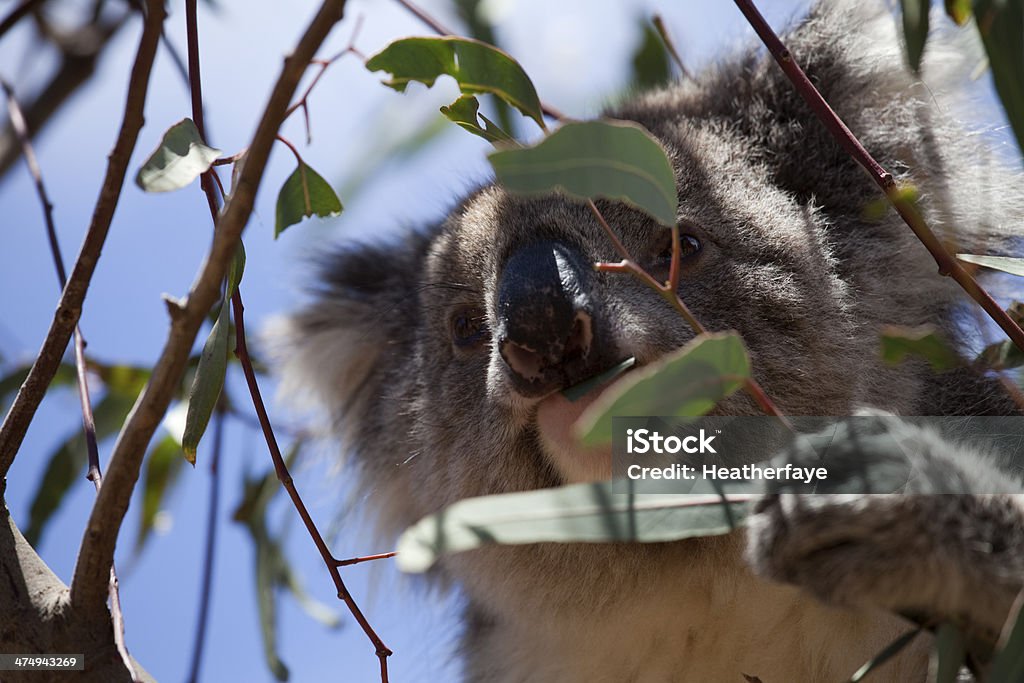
790, 261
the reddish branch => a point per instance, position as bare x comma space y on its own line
100, 539
241, 348
906, 209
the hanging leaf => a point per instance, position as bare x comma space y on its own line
899, 342
478, 68
305, 193
1007, 264
651, 66
915, 30
611, 159
207, 385
163, 466
464, 111
999, 22
588, 513
687, 383
180, 158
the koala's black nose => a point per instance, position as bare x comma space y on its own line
546, 321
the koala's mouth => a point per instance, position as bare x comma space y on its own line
557, 415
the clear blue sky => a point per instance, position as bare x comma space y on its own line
577, 52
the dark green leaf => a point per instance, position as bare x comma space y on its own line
924, 341
687, 383
478, 68
1000, 23
611, 159
304, 194
68, 463
885, 655
915, 30
948, 655
235, 271
651, 60
959, 11
571, 514
1013, 266
464, 111
578, 391
163, 466
1008, 665
207, 385
180, 159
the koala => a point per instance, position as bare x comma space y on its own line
437, 359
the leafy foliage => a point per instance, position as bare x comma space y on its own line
180, 158
305, 193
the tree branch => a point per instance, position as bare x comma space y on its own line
97, 549
69, 309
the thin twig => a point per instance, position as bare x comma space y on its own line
439, 28
947, 264
69, 309
364, 558
659, 26
88, 420
209, 553
285, 477
100, 537
242, 352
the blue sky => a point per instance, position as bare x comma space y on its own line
577, 53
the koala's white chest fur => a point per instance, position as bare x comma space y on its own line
705, 621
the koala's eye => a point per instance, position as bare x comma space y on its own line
688, 246
468, 326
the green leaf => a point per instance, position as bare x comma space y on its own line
68, 463
686, 383
207, 385
163, 466
10, 383
999, 22
235, 271
611, 159
478, 68
948, 655
578, 391
1008, 665
1007, 264
959, 11
885, 655
915, 30
650, 61
588, 513
305, 193
464, 111
180, 158
898, 342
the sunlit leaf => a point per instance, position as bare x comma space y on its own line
207, 385
571, 514
999, 22
305, 193
610, 159
465, 112
180, 158
687, 383
478, 68
1007, 264
959, 11
924, 341
915, 30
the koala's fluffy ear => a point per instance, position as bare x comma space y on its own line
337, 352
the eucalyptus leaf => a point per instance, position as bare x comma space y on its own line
650, 60
687, 383
588, 513
915, 30
1007, 264
163, 467
924, 341
959, 11
1000, 22
465, 112
611, 159
305, 193
180, 158
207, 385
478, 68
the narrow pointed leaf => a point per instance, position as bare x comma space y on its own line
598, 159
163, 467
1007, 264
924, 341
465, 112
687, 383
305, 193
959, 11
999, 22
235, 271
179, 159
478, 68
588, 513
207, 385
915, 30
